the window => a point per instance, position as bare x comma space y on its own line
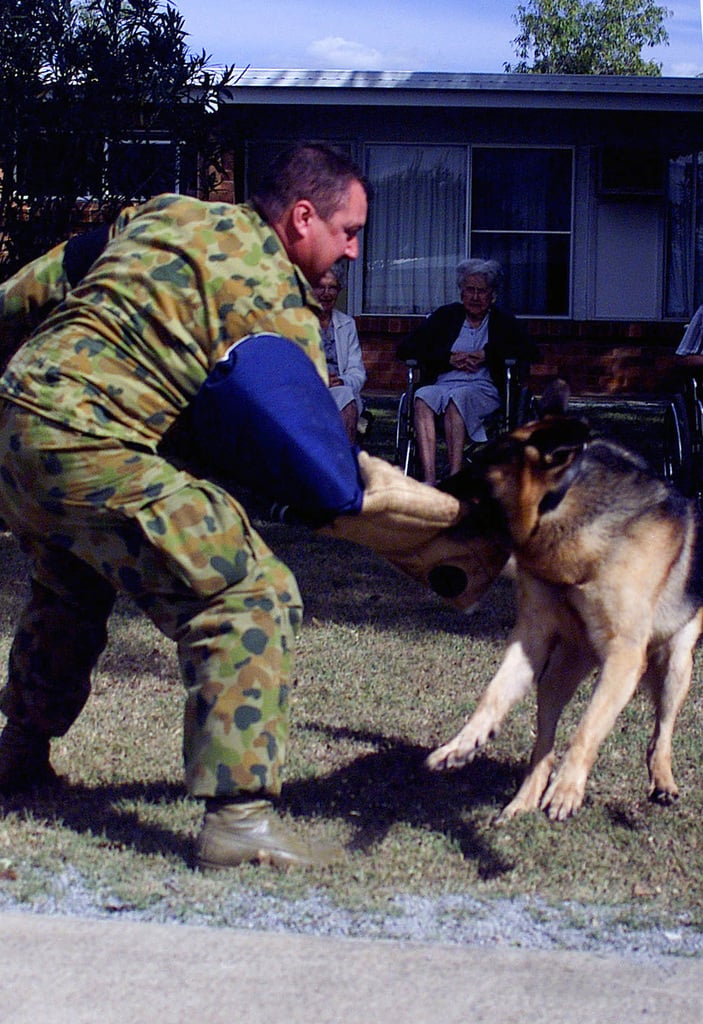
138, 168
134, 168
434, 205
56, 164
521, 216
627, 170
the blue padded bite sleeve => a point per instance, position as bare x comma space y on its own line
265, 419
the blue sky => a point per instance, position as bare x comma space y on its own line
371, 35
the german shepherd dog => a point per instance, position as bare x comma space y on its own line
609, 576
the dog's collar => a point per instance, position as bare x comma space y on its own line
553, 499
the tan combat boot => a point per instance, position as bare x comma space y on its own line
24, 759
234, 833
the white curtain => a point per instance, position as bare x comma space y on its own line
680, 299
417, 227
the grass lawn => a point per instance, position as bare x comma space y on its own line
384, 672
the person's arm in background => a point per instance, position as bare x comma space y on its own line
690, 349
352, 371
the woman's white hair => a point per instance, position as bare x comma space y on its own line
489, 270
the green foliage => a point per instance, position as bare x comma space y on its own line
588, 37
77, 77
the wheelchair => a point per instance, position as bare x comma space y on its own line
683, 439
517, 406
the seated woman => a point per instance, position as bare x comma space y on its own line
345, 365
462, 348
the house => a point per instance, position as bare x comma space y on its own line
588, 189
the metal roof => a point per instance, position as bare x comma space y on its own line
427, 88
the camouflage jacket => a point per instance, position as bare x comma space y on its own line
178, 283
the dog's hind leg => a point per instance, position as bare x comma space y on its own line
568, 665
668, 679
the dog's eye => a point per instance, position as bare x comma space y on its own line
560, 456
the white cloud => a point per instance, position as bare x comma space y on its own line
345, 54
446, 35
684, 70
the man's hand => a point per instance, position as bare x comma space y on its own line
422, 531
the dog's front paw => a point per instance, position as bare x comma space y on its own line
662, 784
564, 796
665, 797
528, 797
447, 757
459, 751
510, 811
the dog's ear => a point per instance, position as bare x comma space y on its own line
556, 441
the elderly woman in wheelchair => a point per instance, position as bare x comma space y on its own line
462, 350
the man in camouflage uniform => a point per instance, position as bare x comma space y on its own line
85, 404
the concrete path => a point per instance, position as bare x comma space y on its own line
56, 970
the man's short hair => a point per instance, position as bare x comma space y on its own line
307, 171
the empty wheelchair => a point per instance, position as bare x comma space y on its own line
517, 406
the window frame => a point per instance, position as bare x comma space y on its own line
470, 233
143, 139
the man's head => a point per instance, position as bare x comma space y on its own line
316, 200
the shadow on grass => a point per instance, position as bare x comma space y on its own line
96, 811
370, 794
391, 785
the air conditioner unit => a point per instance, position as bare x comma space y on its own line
631, 171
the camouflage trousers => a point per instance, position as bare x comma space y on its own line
97, 517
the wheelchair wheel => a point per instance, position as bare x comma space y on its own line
405, 443
679, 462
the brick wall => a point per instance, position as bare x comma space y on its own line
380, 337
597, 357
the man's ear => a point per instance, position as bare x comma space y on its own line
301, 214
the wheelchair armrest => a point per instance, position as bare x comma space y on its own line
515, 391
414, 374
